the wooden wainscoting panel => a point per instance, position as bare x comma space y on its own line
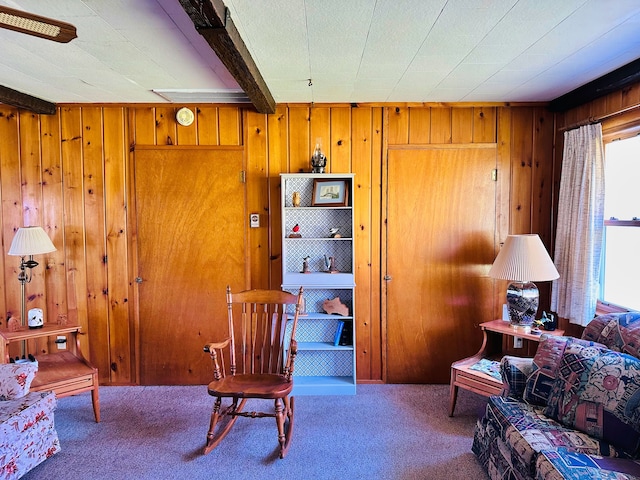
320, 130
96, 255
121, 340
166, 126
367, 143
278, 162
440, 125
74, 221
340, 147
419, 125
12, 209
300, 147
230, 125
31, 179
207, 122
144, 126
462, 125
257, 199
52, 216
398, 125
484, 124
521, 170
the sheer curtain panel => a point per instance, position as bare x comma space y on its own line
580, 225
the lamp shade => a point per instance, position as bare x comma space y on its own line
31, 241
524, 258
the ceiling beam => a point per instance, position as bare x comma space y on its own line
14, 98
612, 81
212, 20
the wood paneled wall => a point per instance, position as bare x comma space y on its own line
72, 174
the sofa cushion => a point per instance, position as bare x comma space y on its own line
564, 464
512, 434
598, 392
15, 379
545, 366
27, 433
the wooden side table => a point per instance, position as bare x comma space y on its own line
463, 376
66, 371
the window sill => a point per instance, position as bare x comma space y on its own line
603, 308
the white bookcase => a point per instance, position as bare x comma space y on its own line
321, 368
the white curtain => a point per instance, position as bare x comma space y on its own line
580, 225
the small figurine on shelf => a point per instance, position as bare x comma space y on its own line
333, 233
295, 199
330, 262
295, 232
13, 324
305, 264
318, 159
335, 307
547, 322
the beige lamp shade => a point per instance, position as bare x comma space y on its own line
524, 258
31, 241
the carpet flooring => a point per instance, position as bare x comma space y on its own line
396, 432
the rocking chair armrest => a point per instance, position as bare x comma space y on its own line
209, 347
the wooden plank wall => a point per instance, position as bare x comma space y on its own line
72, 174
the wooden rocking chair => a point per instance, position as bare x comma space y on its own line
260, 353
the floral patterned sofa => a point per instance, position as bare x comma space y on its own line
27, 432
573, 411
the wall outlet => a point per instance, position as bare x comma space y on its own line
517, 342
61, 342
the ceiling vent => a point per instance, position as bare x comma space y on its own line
202, 95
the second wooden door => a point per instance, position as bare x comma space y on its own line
190, 210
441, 225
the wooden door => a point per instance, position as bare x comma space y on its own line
190, 210
441, 205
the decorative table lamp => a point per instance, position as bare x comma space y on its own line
523, 259
29, 241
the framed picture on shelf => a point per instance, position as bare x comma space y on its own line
329, 193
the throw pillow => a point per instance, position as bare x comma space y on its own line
545, 366
598, 392
514, 372
15, 379
618, 331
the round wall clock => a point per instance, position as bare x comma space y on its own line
185, 116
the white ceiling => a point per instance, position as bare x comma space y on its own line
352, 50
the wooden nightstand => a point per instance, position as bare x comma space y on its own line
66, 371
463, 376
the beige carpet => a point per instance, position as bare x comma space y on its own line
384, 432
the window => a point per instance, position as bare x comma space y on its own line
620, 273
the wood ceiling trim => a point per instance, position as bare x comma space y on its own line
213, 22
14, 98
612, 81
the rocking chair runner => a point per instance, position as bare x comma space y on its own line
260, 351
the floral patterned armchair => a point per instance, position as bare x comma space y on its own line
27, 432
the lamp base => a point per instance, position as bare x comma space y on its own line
522, 302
